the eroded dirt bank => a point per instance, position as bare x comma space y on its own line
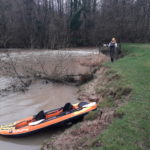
109, 95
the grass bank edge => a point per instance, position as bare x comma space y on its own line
132, 132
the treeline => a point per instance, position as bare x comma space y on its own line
64, 23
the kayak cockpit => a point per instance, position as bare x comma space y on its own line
46, 119
46, 116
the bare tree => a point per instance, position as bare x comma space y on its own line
61, 23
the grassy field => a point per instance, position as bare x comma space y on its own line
132, 132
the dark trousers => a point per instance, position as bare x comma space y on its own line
112, 53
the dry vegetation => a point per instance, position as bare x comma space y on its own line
59, 67
63, 23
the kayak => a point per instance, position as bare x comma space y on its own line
42, 120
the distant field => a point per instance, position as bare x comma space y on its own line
132, 132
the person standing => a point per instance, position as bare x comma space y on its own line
112, 45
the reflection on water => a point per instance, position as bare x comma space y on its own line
40, 96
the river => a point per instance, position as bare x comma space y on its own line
40, 96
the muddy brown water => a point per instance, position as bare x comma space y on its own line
40, 96
15, 106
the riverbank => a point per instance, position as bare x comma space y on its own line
121, 90
18, 102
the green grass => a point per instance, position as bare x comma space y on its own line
132, 132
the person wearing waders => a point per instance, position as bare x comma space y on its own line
112, 45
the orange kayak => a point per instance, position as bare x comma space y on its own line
42, 120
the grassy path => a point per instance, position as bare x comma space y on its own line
132, 132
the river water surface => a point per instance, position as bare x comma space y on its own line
40, 96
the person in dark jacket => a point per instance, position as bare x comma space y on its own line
112, 45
